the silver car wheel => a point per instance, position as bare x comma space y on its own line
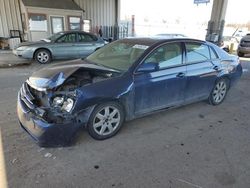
43, 57
219, 91
106, 120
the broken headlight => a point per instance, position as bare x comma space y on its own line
57, 101
66, 104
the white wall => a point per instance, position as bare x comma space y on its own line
10, 18
100, 12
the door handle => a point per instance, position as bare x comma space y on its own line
180, 74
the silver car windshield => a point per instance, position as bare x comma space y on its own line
119, 55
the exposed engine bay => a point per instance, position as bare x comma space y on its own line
84, 77
55, 105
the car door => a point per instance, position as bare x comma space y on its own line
65, 47
165, 86
86, 44
201, 70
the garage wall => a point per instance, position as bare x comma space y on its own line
100, 12
37, 35
10, 18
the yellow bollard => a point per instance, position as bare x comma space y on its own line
231, 48
3, 182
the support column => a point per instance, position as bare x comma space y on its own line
217, 21
117, 12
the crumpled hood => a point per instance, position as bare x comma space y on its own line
55, 75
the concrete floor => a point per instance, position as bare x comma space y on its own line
196, 146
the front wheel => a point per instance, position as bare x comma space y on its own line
43, 56
219, 92
106, 120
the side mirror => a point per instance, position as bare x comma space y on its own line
148, 67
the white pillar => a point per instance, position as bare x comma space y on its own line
217, 21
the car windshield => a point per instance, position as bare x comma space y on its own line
118, 55
55, 36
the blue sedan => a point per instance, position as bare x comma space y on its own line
124, 80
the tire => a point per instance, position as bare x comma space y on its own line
240, 54
43, 56
219, 92
106, 120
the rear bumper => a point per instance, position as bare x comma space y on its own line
235, 76
44, 133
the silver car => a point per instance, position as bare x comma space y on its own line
62, 45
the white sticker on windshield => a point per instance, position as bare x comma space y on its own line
138, 46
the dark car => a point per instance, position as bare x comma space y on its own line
62, 45
244, 46
124, 80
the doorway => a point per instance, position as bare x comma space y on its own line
57, 24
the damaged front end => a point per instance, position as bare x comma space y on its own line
48, 107
47, 125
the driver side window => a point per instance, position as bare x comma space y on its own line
167, 55
68, 38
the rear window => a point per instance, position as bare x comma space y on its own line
197, 52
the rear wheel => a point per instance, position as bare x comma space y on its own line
106, 120
219, 92
43, 56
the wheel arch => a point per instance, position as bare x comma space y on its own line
84, 114
224, 76
115, 100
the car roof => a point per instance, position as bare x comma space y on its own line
247, 36
66, 32
154, 40
173, 35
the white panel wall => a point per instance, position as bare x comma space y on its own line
10, 18
100, 12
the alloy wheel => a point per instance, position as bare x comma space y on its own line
106, 120
43, 57
219, 91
